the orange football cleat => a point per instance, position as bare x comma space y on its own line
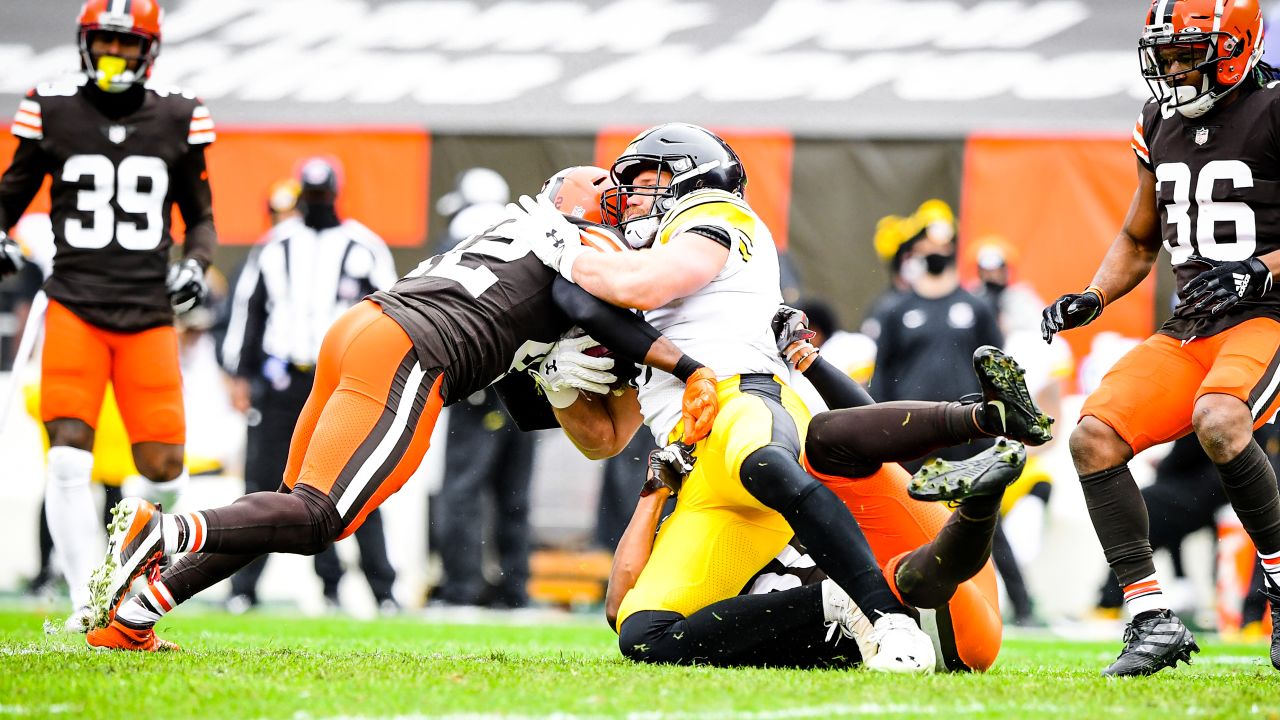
118, 636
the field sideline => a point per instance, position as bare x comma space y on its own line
274, 666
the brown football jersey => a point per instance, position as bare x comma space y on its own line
1217, 192
478, 311
114, 185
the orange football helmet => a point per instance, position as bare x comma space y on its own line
577, 190
137, 18
1224, 35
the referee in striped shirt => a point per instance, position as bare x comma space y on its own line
309, 269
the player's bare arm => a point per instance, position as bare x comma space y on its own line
633, 551
650, 278
600, 426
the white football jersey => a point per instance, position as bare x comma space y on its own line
726, 325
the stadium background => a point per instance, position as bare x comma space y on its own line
1016, 113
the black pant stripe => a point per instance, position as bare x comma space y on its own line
380, 429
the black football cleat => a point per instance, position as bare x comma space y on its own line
1153, 641
1008, 408
987, 473
1272, 594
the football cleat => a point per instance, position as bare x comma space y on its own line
1008, 408
987, 473
1153, 641
135, 545
118, 636
847, 619
79, 621
901, 646
1272, 593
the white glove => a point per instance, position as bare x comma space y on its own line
554, 240
567, 369
187, 286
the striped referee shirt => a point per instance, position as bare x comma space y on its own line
294, 285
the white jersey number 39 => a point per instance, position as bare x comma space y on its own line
133, 196
1211, 212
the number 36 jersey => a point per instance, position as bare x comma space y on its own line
1217, 193
115, 180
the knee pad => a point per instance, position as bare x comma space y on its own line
322, 517
774, 477
643, 637
69, 467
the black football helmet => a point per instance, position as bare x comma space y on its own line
696, 159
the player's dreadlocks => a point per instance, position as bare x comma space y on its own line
1265, 73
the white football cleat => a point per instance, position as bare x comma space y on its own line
901, 646
843, 614
79, 620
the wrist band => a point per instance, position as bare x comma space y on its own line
685, 367
1098, 291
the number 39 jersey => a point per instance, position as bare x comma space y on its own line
114, 184
1217, 192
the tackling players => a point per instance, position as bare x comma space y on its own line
1206, 148
485, 309
121, 153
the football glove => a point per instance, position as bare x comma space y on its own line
187, 286
554, 240
699, 406
567, 369
1070, 311
791, 330
11, 259
1224, 284
668, 467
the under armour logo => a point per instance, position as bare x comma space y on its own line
555, 239
550, 366
1242, 283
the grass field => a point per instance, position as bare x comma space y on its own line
283, 667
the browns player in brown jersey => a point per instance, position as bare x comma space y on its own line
1208, 155
120, 155
485, 310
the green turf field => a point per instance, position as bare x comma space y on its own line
280, 667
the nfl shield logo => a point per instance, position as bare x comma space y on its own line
117, 134
1202, 135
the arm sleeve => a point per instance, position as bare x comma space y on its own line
838, 391
242, 346
195, 202
21, 182
622, 331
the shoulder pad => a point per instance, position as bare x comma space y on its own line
64, 87
165, 90
705, 207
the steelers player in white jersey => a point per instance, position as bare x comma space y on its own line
706, 275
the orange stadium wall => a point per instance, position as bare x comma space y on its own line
1060, 201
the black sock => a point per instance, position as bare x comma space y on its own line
1119, 517
929, 575
1250, 483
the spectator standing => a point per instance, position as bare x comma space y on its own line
310, 268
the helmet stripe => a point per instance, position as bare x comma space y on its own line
1218, 9
1164, 12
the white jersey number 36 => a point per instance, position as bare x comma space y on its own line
1211, 212
133, 196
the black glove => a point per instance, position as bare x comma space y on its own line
1224, 284
11, 260
1070, 311
667, 468
187, 287
789, 326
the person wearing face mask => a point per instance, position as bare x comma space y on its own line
927, 337
311, 267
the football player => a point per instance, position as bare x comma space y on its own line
1206, 147
935, 561
120, 153
706, 274
484, 310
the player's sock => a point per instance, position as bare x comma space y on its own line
1119, 516
929, 575
1271, 567
185, 532
1250, 484
147, 607
162, 494
304, 521
854, 443
1144, 595
73, 520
